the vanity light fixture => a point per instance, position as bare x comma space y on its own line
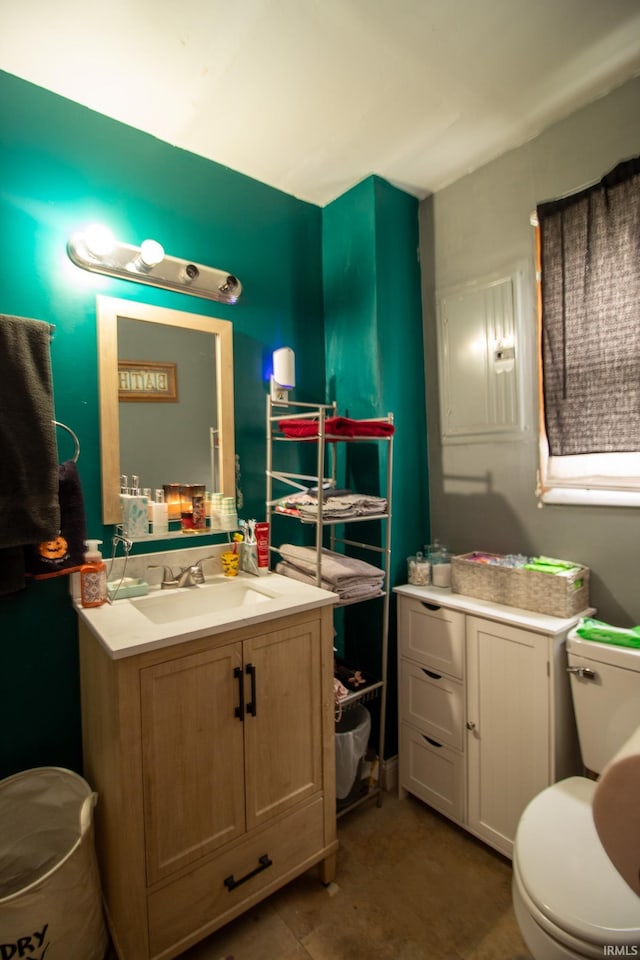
96, 249
283, 378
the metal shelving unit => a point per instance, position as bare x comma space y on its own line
326, 468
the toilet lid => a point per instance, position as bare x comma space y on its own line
566, 872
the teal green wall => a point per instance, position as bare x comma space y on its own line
373, 335
375, 365
63, 166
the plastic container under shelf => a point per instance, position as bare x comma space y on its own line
352, 738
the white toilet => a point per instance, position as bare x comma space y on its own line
570, 901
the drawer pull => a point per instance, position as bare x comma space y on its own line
251, 706
434, 743
584, 673
264, 861
239, 711
430, 606
430, 673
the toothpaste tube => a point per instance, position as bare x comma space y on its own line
262, 541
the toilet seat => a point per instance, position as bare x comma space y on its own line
564, 877
543, 938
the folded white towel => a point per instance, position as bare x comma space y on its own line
342, 505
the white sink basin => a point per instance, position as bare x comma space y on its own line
168, 606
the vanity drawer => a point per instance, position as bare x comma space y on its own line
433, 773
432, 635
433, 703
196, 904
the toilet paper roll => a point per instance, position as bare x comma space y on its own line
616, 811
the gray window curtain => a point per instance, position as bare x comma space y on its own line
590, 259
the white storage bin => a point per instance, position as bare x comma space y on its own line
50, 897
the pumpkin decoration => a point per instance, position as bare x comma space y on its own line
53, 549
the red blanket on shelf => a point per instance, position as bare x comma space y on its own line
340, 427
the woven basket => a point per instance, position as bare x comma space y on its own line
557, 596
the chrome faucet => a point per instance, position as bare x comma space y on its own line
190, 576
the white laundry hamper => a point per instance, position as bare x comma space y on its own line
50, 896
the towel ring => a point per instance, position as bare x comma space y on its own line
76, 442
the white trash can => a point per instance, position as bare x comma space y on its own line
50, 896
352, 738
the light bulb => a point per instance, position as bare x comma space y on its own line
99, 240
151, 253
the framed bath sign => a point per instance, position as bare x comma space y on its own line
147, 381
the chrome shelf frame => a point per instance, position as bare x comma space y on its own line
290, 410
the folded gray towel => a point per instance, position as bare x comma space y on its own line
357, 589
29, 509
337, 568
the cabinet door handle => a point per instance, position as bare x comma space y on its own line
430, 673
470, 725
239, 711
263, 862
251, 706
430, 606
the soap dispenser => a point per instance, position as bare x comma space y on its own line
135, 510
93, 576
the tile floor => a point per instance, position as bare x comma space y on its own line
410, 885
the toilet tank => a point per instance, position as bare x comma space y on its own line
605, 686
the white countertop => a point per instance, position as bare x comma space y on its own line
124, 631
539, 622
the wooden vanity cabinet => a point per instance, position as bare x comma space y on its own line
213, 761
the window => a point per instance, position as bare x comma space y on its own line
589, 299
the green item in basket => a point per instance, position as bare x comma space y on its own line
551, 565
590, 629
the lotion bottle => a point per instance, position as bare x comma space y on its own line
159, 515
93, 576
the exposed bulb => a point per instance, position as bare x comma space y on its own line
151, 253
99, 240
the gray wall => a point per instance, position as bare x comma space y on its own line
480, 225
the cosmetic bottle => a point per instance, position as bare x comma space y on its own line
93, 576
135, 513
159, 514
215, 511
146, 492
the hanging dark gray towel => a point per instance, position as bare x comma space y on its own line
29, 509
64, 553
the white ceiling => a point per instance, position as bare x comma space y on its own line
311, 96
